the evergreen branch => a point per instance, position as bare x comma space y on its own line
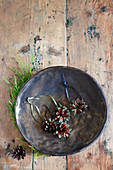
21, 139
18, 81
38, 153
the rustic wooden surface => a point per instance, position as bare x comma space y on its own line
73, 32
89, 32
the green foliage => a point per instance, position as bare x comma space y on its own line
21, 145
37, 152
18, 81
21, 139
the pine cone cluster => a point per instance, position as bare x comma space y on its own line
58, 124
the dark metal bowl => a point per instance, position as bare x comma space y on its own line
85, 129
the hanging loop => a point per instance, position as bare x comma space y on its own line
67, 86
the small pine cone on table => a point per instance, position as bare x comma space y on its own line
18, 152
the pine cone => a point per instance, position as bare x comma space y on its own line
48, 125
78, 107
62, 130
18, 152
62, 114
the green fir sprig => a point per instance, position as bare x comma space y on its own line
38, 153
18, 81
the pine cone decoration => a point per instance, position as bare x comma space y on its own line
62, 130
62, 114
48, 125
58, 124
18, 152
78, 107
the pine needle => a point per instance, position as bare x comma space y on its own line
21, 139
18, 81
15, 86
38, 153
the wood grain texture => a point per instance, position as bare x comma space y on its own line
28, 28
12, 36
37, 27
49, 163
51, 22
89, 35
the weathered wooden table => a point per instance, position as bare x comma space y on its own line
74, 33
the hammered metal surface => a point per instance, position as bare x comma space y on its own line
85, 129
